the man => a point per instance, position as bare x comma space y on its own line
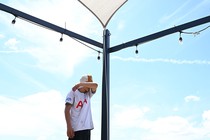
78, 110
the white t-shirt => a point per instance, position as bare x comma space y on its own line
81, 116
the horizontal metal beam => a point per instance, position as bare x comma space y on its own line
135, 42
48, 25
160, 34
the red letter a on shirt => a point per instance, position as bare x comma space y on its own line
79, 104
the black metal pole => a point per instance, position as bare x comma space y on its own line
105, 87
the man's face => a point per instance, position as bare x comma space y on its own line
85, 89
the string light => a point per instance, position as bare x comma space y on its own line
99, 55
136, 50
61, 39
180, 37
14, 20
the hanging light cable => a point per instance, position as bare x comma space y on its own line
191, 33
180, 37
99, 52
136, 49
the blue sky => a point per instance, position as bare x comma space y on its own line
161, 93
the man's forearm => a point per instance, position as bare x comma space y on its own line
68, 117
89, 85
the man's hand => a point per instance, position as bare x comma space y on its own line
75, 87
70, 133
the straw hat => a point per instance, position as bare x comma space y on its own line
86, 78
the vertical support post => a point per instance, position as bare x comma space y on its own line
105, 87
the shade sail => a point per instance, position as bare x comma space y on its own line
103, 9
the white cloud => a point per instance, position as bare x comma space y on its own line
132, 114
174, 13
41, 115
1, 36
24, 75
11, 42
171, 124
59, 59
43, 45
121, 25
134, 119
206, 119
38, 115
191, 98
185, 13
175, 109
153, 60
206, 115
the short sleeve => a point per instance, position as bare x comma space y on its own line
70, 98
91, 93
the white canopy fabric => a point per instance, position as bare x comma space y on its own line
103, 9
